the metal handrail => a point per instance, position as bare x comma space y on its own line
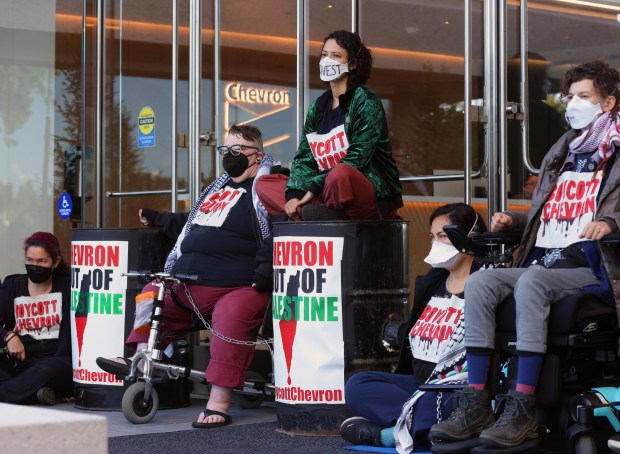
467, 176
175, 80
525, 103
449, 177
141, 193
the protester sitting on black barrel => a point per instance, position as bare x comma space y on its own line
343, 168
576, 202
227, 243
35, 327
432, 349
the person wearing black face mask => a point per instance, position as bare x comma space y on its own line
35, 336
227, 242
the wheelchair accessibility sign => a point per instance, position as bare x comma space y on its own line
146, 128
65, 205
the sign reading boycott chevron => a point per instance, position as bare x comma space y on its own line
307, 319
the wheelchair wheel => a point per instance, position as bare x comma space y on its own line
585, 445
135, 409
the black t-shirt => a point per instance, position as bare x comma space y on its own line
423, 369
332, 118
17, 285
223, 256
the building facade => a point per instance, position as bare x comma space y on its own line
107, 106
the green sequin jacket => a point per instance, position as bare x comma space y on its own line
370, 150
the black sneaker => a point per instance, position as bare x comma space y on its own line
317, 212
517, 422
47, 396
472, 415
614, 443
360, 431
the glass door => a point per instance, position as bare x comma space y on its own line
141, 82
471, 91
530, 46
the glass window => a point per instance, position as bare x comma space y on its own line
39, 57
258, 71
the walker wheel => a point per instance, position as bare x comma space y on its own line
250, 400
135, 408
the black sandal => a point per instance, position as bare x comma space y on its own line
212, 425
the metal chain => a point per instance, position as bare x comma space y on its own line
219, 335
439, 414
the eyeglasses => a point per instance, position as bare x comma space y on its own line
234, 149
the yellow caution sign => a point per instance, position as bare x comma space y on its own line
146, 128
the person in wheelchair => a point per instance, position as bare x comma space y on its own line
227, 243
575, 203
431, 347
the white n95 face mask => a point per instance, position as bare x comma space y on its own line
442, 255
331, 70
581, 112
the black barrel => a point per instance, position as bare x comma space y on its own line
336, 286
102, 312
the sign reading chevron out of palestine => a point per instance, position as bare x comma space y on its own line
98, 292
307, 320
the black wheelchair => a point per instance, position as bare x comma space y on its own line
582, 351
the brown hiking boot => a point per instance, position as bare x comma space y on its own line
516, 424
472, 416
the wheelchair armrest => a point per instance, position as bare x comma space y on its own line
482, 244
611, 239
508, 238
464, 243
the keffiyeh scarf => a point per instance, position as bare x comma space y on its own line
603, 136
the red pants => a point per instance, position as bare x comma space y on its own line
346, 189
236, 313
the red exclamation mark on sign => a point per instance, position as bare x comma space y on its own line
288, 328
287, 331
81, 314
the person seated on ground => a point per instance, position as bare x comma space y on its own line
559, 256
35, 327
426, 353
343, 168
226, 241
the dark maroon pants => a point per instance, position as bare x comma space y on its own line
346, 189
236, 313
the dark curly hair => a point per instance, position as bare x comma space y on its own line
605, 79
51, 245
357, 54
460, 214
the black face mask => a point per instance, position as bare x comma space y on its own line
236, 165
38, 274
